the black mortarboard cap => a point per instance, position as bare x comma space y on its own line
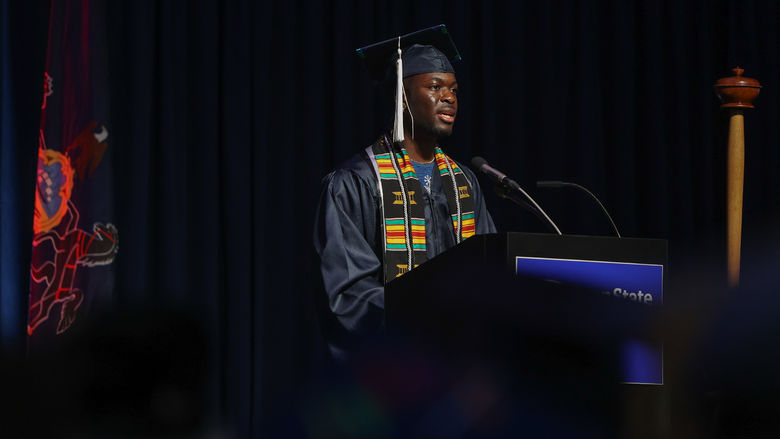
424, 51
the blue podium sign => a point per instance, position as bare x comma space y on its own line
641, 363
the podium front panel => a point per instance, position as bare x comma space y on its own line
623, 268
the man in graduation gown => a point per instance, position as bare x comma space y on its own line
400, 201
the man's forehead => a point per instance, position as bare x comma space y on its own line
435, 76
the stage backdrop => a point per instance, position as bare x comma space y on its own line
224, 116
23, 29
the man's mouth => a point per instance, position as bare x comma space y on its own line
446, 116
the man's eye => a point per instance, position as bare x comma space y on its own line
454, 91
435, 87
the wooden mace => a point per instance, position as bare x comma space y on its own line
736, 93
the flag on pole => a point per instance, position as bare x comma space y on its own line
75, 242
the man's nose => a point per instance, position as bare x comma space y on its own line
448, 96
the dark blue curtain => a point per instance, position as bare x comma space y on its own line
22, 56
226, 115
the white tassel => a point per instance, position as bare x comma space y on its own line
398, 125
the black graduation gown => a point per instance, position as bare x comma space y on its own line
348, 239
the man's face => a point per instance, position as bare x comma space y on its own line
433, 100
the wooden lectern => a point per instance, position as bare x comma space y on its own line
491, 288
566, 331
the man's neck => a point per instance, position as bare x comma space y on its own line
421, 149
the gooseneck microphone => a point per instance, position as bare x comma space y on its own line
560, 184
499, 177
511, 186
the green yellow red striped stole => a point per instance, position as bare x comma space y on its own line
403, 213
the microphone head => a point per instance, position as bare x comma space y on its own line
478, 162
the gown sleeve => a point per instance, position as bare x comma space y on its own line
345, 235
484, 222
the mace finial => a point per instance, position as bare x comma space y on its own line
737, 91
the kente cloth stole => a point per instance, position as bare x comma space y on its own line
403, 213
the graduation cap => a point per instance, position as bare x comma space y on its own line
424, 51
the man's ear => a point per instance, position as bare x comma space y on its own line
407, 84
